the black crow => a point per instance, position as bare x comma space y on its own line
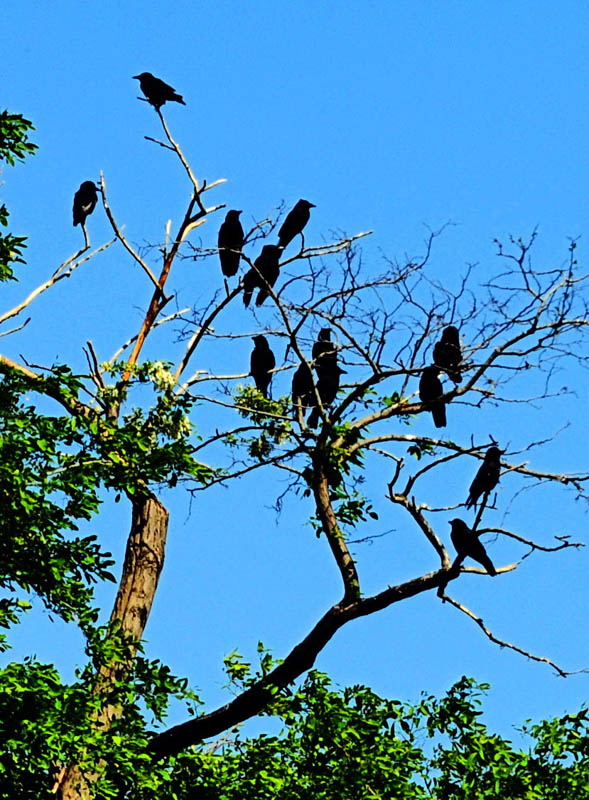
262, 363
85, 200
230, 239
295, 221
267, 268
324, 352
430, 389
303, 391
328, 387
447, 353
467, 544
487, 477
156, 91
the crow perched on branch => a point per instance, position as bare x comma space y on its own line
467, 544
447, 353
266, 269
230, 238
487, 476
430, 389
156, 91
85, 200
328, 373
295, 221
262, 362
303, 391
328, 387
324, 352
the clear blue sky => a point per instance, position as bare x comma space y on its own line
388, 116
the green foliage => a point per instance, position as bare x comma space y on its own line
45, 724
352, 507
351, 744
240, 672
332, 744
338, 458
14, 146
14, 142
148, 446
395, 399
421, 448
45, 488
271, 419
52, 468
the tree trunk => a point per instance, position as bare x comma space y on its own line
142, 567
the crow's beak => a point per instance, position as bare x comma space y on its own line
136, 76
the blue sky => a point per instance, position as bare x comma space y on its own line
389, 116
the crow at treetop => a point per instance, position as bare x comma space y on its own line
156, 91
295, 221
85, 200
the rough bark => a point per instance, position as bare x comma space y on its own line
144, 559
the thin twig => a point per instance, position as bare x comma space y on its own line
121, 238
63, 271
502, 643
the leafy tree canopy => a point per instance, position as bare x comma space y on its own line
127, 428
14, 146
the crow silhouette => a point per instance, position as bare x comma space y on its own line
303, 391
447, 353
487, 476
467, 544
324, 352
262, 362
230, 239
295, 221
85, 200
430, 389
156, 91
328, 387
266, 269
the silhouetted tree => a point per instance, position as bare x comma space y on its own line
57, 469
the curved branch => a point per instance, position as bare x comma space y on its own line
490, 635
332, 531
119, 235
299, 660
63, 271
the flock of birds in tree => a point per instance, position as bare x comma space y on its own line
447, 354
